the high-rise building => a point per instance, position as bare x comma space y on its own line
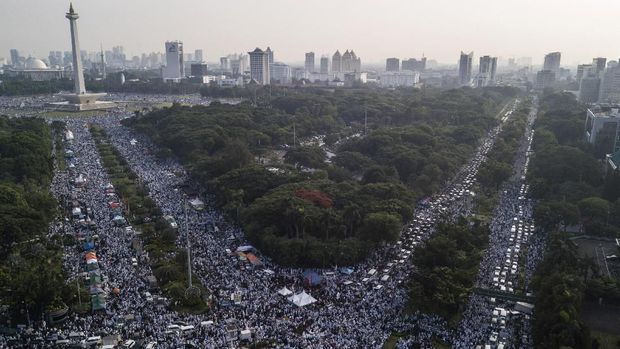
552, 62
392, 64
582, 70
309, 64
269, 54
610, 84
175, 68
465, 63
589, 88
337, 62
198, 57
198, 69
414, 64
486, 71
598, 64
259, 66
324, 65
15, 58
281, 73
544, 79
225, 64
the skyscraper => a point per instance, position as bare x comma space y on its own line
324, 65
175, 67
198, 56
392, 64
465, 67
225, 64
552, 62
15, 58
259, 66
599, 64
309, 65
589, 88
610, 84
486, 71
413, 64
582, 70
269, 54
337, 62
281, 73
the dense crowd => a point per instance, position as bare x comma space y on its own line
358, 308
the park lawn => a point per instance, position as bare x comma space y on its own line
606, 340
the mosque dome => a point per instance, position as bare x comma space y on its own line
34, 63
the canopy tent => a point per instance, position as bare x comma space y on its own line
89, 245
197, 204
94, 279
244, 248
311, 277
95, 289
119, 220
90, 255
98, 302
346, 271
302, 299
253, 259
285, 292
113, 204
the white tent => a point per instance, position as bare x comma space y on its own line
285, 292
302, 299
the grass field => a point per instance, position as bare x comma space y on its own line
606, 340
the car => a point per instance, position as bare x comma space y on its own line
151, 345
130, 343
93, 340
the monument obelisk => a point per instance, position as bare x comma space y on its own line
79, 100
78, 72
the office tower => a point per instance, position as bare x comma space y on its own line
599, 65
324, 65
486, 71
189, 57
552, 62
337, 62
392, 64
281, 73
198, 57
544, 79
269, 54
259, 66
356, 63
225, 64
175, 67
582, 70
610, 84
198, 69
15, 58
465, 67
347, 61
309, 65
413, 64
589, 88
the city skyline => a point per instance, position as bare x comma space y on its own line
374, 30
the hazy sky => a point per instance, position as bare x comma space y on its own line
375, 29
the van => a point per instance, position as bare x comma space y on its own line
151, 345
93, 340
